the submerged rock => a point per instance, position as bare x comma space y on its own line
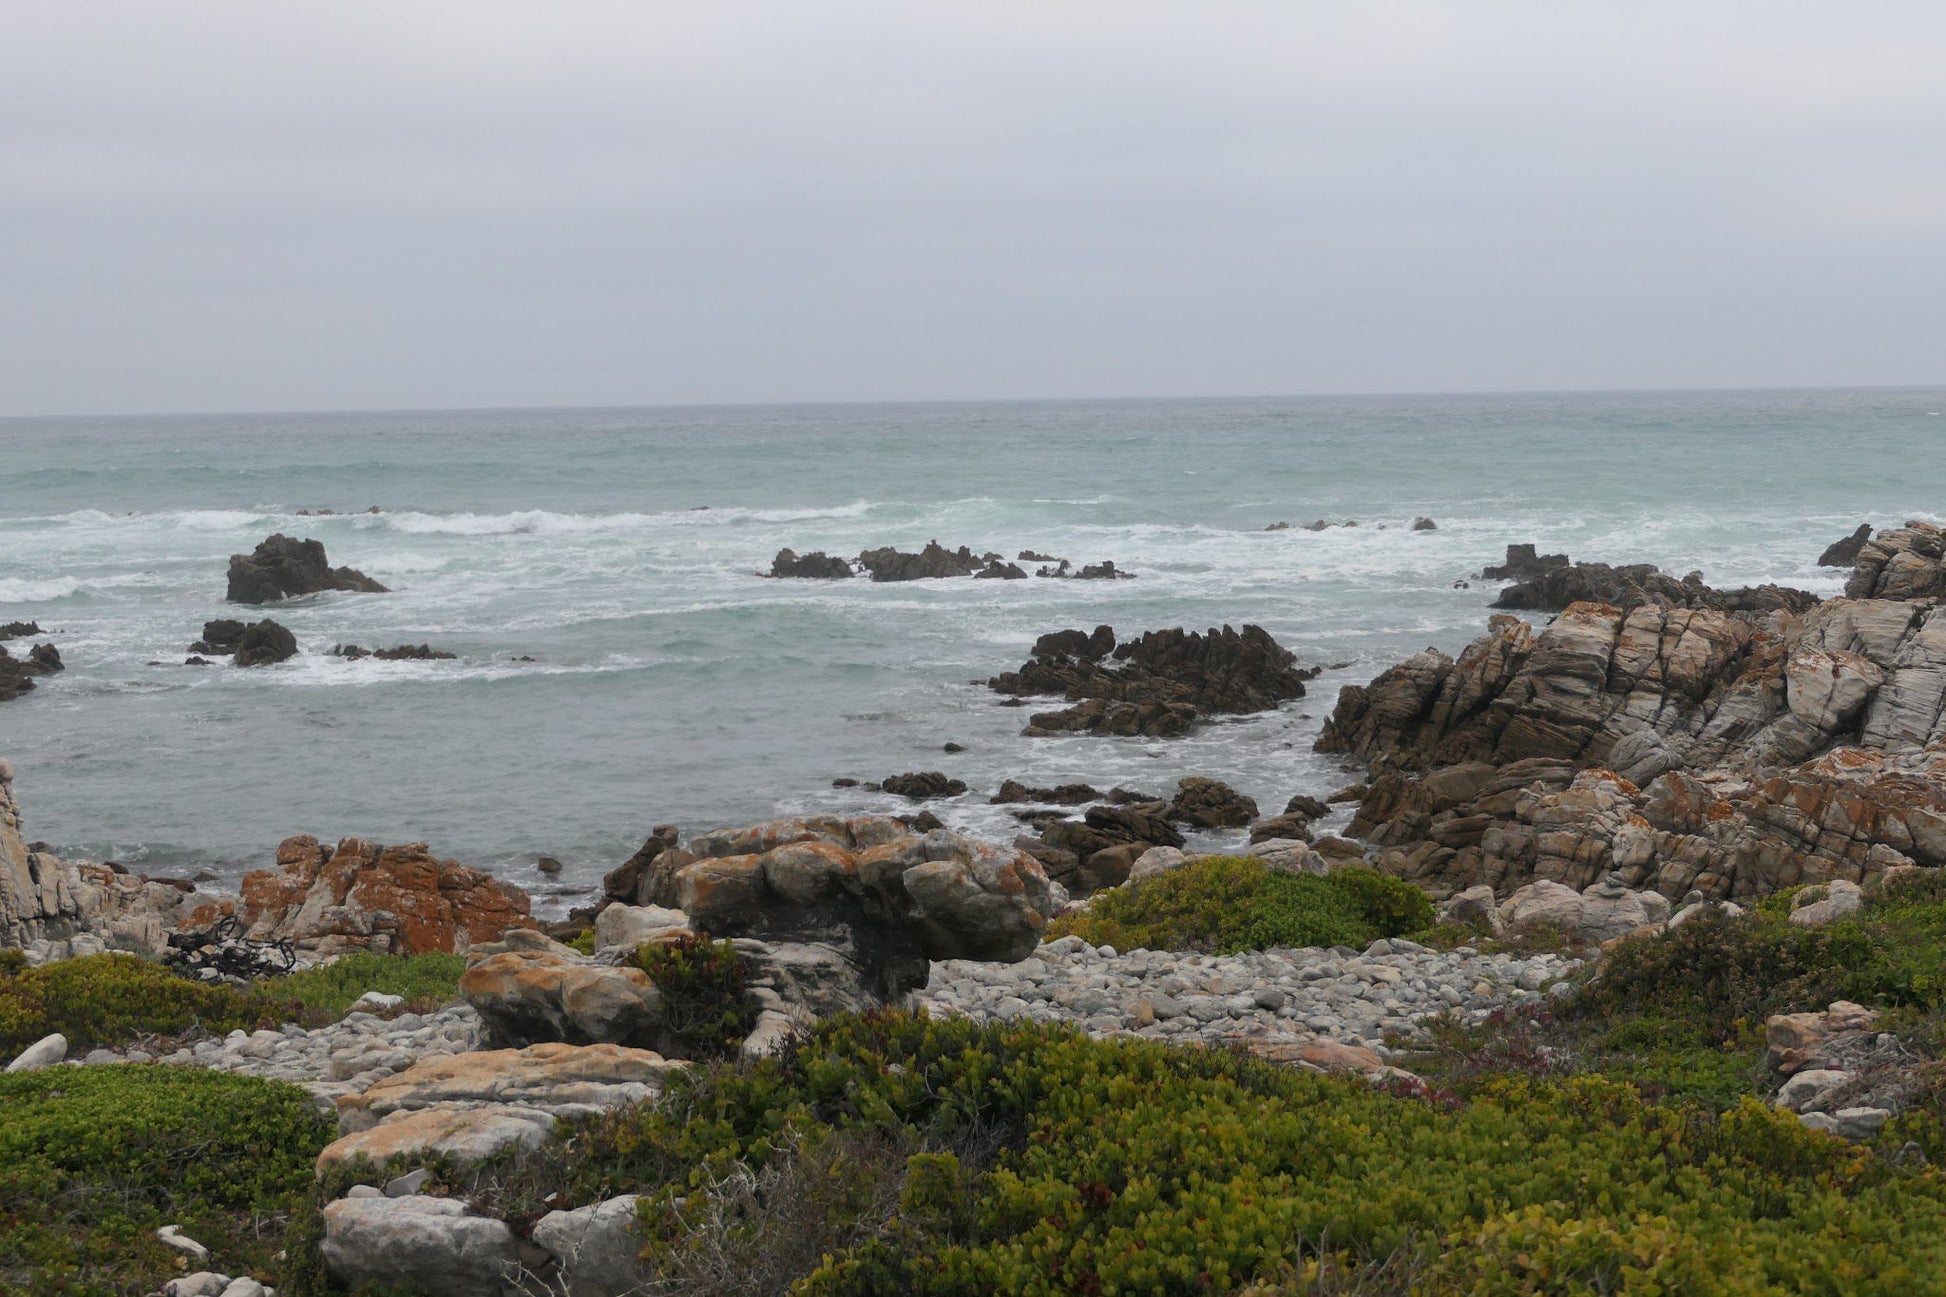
1843, 553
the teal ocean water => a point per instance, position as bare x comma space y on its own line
620, 550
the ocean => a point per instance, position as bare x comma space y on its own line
620, 550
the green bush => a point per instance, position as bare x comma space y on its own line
894, 1153
93, 1160
1234, 903
328, 991
111, 1000
704, 1002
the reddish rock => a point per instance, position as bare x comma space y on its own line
361, 895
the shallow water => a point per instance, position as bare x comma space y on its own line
671, 683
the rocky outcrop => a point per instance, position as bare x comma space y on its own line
998, 570
889, 899
1906, 562
362, 895
1844, 553
1523, 563
20, 629
932, 562
816, 566
1682, 749
1100, 849
284, 568
1102, 571
17, 674
1555, 588
401, 653
921, 785
434, 1246
1012, 790
257, 643
1210, 804
1160, 685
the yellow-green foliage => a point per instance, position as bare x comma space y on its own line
93, 1160
1233, 903
703, 1003
1035, 1160
112, 999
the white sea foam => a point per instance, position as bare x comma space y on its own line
27, 590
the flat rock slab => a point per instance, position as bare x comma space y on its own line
430, 1245
466, 1134
567, 1080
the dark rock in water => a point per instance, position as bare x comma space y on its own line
1077, 644
933, 562
1306, 806
1130, 797
263, 643
1029, 556
20, 629
1210, 804
1349, 793
17, 674
1161, 685
923, 822
1642, 583
1424, 524
1013, 790
1523, 563
1288, 825
844, 783
1102, 571
632, 881
815, 566
548, 865
1843, 553
194, 661
283, 568
922, 784
402, 653
1278, 526
219, 636
954, 747
1001, 572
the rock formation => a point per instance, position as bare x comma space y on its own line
1683, 749
934, 561
283, 568
1161, 684
402, 653
1523, 563
20, 629
257, 643
17, 674
1844, 553
361, 895
1906, 562
1556, 587
817, 565
922, 784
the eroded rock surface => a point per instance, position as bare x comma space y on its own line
283, 568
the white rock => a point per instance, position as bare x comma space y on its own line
45, 1052
243, 1286
1841, 898
377, 1001
628, 926
171, 1236
1154, 861
431, 1244
204, 1283
597, 1246
1802, 1092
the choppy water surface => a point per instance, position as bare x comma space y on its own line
619, 549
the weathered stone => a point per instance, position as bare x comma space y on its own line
1828, 903
43, 1053
432, 1245
463, 1133
597, 1246
556, 1078
624, 927
525, 997
283, 568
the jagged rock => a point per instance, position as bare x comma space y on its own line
598, 1247
1797, 1041
402, 653
433, 1246
922, 784
20, 629
629, 882
1906, 562
1424, 524
17, 674
263, 643
1844, 553
1161, 685
997, 570
1102, 571
220, 637
283, 568
362, 895
817, 565
932, 562
1523, 563
1310, 807
1210, 804
1083, 645
1292, 827
1555, 588
1012, 790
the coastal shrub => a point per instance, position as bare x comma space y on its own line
93, 1160
327, 992
703, 985
1234, 903
111, 1000
896, 1153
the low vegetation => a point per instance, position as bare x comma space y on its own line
115, 1000
1228, 904
703, 1002
93, 1160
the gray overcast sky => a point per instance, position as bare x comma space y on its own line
272, 205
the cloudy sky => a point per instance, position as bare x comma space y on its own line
355, 205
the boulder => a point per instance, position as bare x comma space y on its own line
624, 927
817, 566
1807, 1091
1085, 646
1604, 911
283, 568
922, 784
17, 674
1210, 804
1013, 790
1901, 563
362, 895
263, 643
1476, 907
464, 1134
932, 562
220, 637
630, 881
1523, 563
20, 629
1844, 553
430, 1245
1295, 826
597, 1247
42, 1054
1815, 906
525, 996
1155, 862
